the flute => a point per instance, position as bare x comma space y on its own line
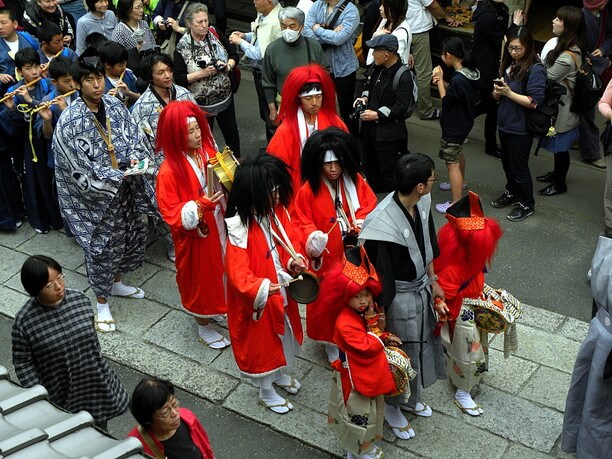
44, 66
8, 95
48, 103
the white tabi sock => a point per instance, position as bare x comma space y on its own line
271, 400
211, 337
104, 314
120, 289
467, 402
398, 423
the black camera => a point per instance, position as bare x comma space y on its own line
358, 110
205, 62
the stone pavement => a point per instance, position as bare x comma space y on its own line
523, 396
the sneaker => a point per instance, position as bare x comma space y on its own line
599, 163
446, 186
435, 115
505, 200
443, 207
520, 213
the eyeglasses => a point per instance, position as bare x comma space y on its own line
176, 403
515, 49
58, 282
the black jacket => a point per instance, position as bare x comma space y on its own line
391, 105
490, 26
457, 118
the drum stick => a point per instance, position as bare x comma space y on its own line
333, 226
295, 279
209, 180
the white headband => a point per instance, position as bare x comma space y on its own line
330, 157
191, 119
311, 92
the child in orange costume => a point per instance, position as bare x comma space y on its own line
357, 394
331, 205
308, 105
195, 219
467, 244
262, 253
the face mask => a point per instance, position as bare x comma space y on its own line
290, 35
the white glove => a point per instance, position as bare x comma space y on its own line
316, 243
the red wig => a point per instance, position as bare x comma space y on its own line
297, 78
172, 133
290, 103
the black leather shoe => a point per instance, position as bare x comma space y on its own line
552, 190
546, 178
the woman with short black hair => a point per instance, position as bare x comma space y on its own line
165, 429
55, 344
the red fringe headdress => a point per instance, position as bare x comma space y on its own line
345, 280
469, 236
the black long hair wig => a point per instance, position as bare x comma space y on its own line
344, 145
256, 179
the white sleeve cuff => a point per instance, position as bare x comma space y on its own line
189, 215
262, 294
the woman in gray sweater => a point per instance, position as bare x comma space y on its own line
562, 63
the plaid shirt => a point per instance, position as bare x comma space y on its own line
58, 348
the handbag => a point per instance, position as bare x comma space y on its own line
168, 45
587, 90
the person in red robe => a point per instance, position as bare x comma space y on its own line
467, 244
364, 376
308, 105
329, 207
262, 253
195, 219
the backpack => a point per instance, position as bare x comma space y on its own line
415, 90
588, 89
541, 119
